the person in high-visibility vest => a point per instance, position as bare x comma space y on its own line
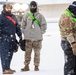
33, 27
67, 26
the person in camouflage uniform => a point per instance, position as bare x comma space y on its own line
67, 25
33, 35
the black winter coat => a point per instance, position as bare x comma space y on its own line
7, 26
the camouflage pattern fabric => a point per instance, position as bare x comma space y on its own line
36, 46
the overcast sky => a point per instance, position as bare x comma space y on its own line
42, 1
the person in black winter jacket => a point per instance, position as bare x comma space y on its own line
8, 28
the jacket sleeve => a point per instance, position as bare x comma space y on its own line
43, 24
24, 22
18, 30
66, 25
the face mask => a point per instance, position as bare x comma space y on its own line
7, 12
33, 10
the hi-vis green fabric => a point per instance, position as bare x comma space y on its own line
33, 18
70, 14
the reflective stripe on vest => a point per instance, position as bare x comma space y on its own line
33, 18
69, 13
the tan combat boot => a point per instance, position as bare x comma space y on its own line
26, 68
36, 68
13, 70
8, 72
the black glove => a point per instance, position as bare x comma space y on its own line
20, 39
14, 45
22, 44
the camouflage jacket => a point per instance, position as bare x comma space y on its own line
67, 28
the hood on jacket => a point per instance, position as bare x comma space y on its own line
33, 6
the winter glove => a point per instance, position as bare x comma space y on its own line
20, 39
14, 45
74, 48
22, 44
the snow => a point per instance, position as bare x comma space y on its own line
52, 56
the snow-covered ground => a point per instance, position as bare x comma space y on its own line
52, 56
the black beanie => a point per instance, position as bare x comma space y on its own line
33, 3
74, 3
72, 8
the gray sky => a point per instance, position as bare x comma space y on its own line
42, 1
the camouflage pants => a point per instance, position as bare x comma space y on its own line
36, 46
70, 59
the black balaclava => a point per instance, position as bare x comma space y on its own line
4, 10
72, 8
33, 4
